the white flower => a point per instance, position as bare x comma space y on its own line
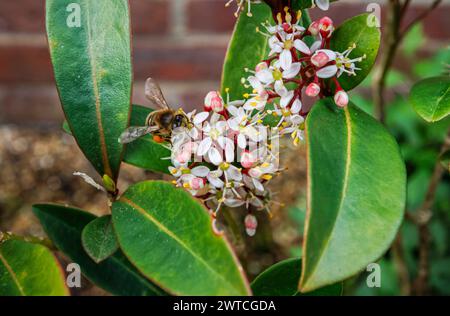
259, 96
213, 135
284, 47
296, 129
239, 122
285, 94
346, 64
275, 72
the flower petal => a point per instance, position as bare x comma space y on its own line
200, 171
214, 156
302, 47
286, 59
292, 71
323, 4
327, 72
204, 146
200, 118
296, 106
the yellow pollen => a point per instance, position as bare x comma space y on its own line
265, 165
288, 44
186, 186
227, 90
267, 177
246, 95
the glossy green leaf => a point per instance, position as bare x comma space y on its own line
28, 269
98, 239
246, 49
357, 31
282, 278
356, 193
115, 274
144, 152
430, 98
92, 65
168, 236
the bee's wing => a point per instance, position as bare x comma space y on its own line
134, 132
153, 93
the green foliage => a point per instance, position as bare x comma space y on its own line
445, 160
246, 49
357, 188
92, 66
98, 239
282, 278
430, 98
28, 269
116, 275
186, 257
367, 40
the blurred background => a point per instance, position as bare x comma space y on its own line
182, 44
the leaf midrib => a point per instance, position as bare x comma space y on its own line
438, 102
166, 230
98, 113
12, 273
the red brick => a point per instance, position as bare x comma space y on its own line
29, 104
25, 63
28, 16
22, 16
22, 63
150, 16
209, 16
180, 63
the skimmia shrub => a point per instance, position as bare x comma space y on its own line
162, 237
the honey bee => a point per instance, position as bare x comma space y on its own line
160, 123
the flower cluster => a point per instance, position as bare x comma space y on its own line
230, 153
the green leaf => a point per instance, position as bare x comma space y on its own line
144, 152
367, 40
92, 66
282, 278
28, 269
168, 236
246, 49
356, 193
430, 98
98, 239
116, 275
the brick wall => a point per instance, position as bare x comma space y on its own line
181, 43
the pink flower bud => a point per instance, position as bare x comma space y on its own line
326, 27
261, 66
314, 28
312, 90
341, 98
197, 183
183, 157
250, 225
247, 159
320, 59
214, 102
